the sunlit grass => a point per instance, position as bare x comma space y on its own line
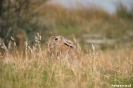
31, 68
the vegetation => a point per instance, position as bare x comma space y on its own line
26, 18
29, 67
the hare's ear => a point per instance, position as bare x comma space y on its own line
68, 43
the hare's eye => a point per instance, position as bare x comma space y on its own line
56, 38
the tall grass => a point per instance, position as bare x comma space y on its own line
32, 68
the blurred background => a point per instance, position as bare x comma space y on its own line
108, 24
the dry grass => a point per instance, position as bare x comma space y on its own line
31, 68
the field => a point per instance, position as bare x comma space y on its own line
31, 68
100, 64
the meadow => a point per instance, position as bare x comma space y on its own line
28, 66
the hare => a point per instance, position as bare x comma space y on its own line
58, 45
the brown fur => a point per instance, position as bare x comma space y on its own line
58, 45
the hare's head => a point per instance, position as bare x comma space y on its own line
58, 44
58, 41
